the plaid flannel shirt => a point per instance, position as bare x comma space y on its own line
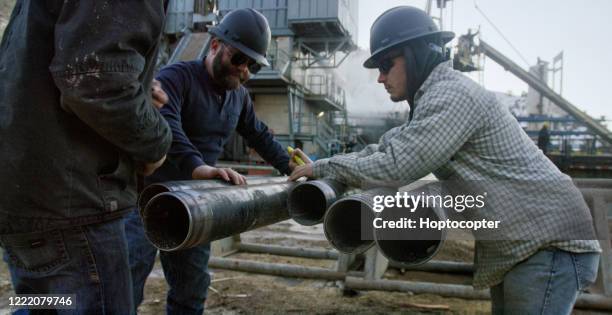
460, 131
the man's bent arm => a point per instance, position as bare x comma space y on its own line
100, 56
183, 154
416, 149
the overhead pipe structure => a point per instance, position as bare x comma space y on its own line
309, 200
155, 189
546, 91
184, 219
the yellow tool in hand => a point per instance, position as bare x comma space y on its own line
296, 158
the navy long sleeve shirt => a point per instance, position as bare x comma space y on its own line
202, 120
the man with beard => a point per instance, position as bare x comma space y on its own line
206, 103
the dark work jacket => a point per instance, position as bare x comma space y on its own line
202, 120
75, 110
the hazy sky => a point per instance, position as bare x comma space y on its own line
537, 28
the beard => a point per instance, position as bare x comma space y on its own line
226, 76
397, 98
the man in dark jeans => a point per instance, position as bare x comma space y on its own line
207, 102
76, 122
545, 250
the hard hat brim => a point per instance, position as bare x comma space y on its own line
374, 59
244, 49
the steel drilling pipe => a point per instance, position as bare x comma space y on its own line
348, 225
348, 222
410, 246
430, 266
184, 219
309, 200
155, 189
275, 269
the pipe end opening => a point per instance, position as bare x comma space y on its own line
166, 222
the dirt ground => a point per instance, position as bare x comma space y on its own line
243, 293
235, 292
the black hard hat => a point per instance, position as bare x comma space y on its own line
248, 31
398, 26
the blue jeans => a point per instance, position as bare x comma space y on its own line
546, 283
186, 271
89, 261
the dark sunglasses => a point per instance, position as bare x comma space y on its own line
239, 58
385, 65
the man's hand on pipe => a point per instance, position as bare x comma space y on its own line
227, 174
300, 171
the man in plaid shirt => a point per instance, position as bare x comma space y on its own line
545, 250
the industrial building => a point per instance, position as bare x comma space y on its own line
298, 96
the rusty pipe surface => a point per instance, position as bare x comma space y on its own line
309, 200
343, 223
411, 246
155, 189
187, 218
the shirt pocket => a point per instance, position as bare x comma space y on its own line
37, 251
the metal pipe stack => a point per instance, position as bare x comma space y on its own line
347, 223
178, 215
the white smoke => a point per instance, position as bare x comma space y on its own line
363, 93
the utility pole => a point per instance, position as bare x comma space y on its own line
557, 66
441, 4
